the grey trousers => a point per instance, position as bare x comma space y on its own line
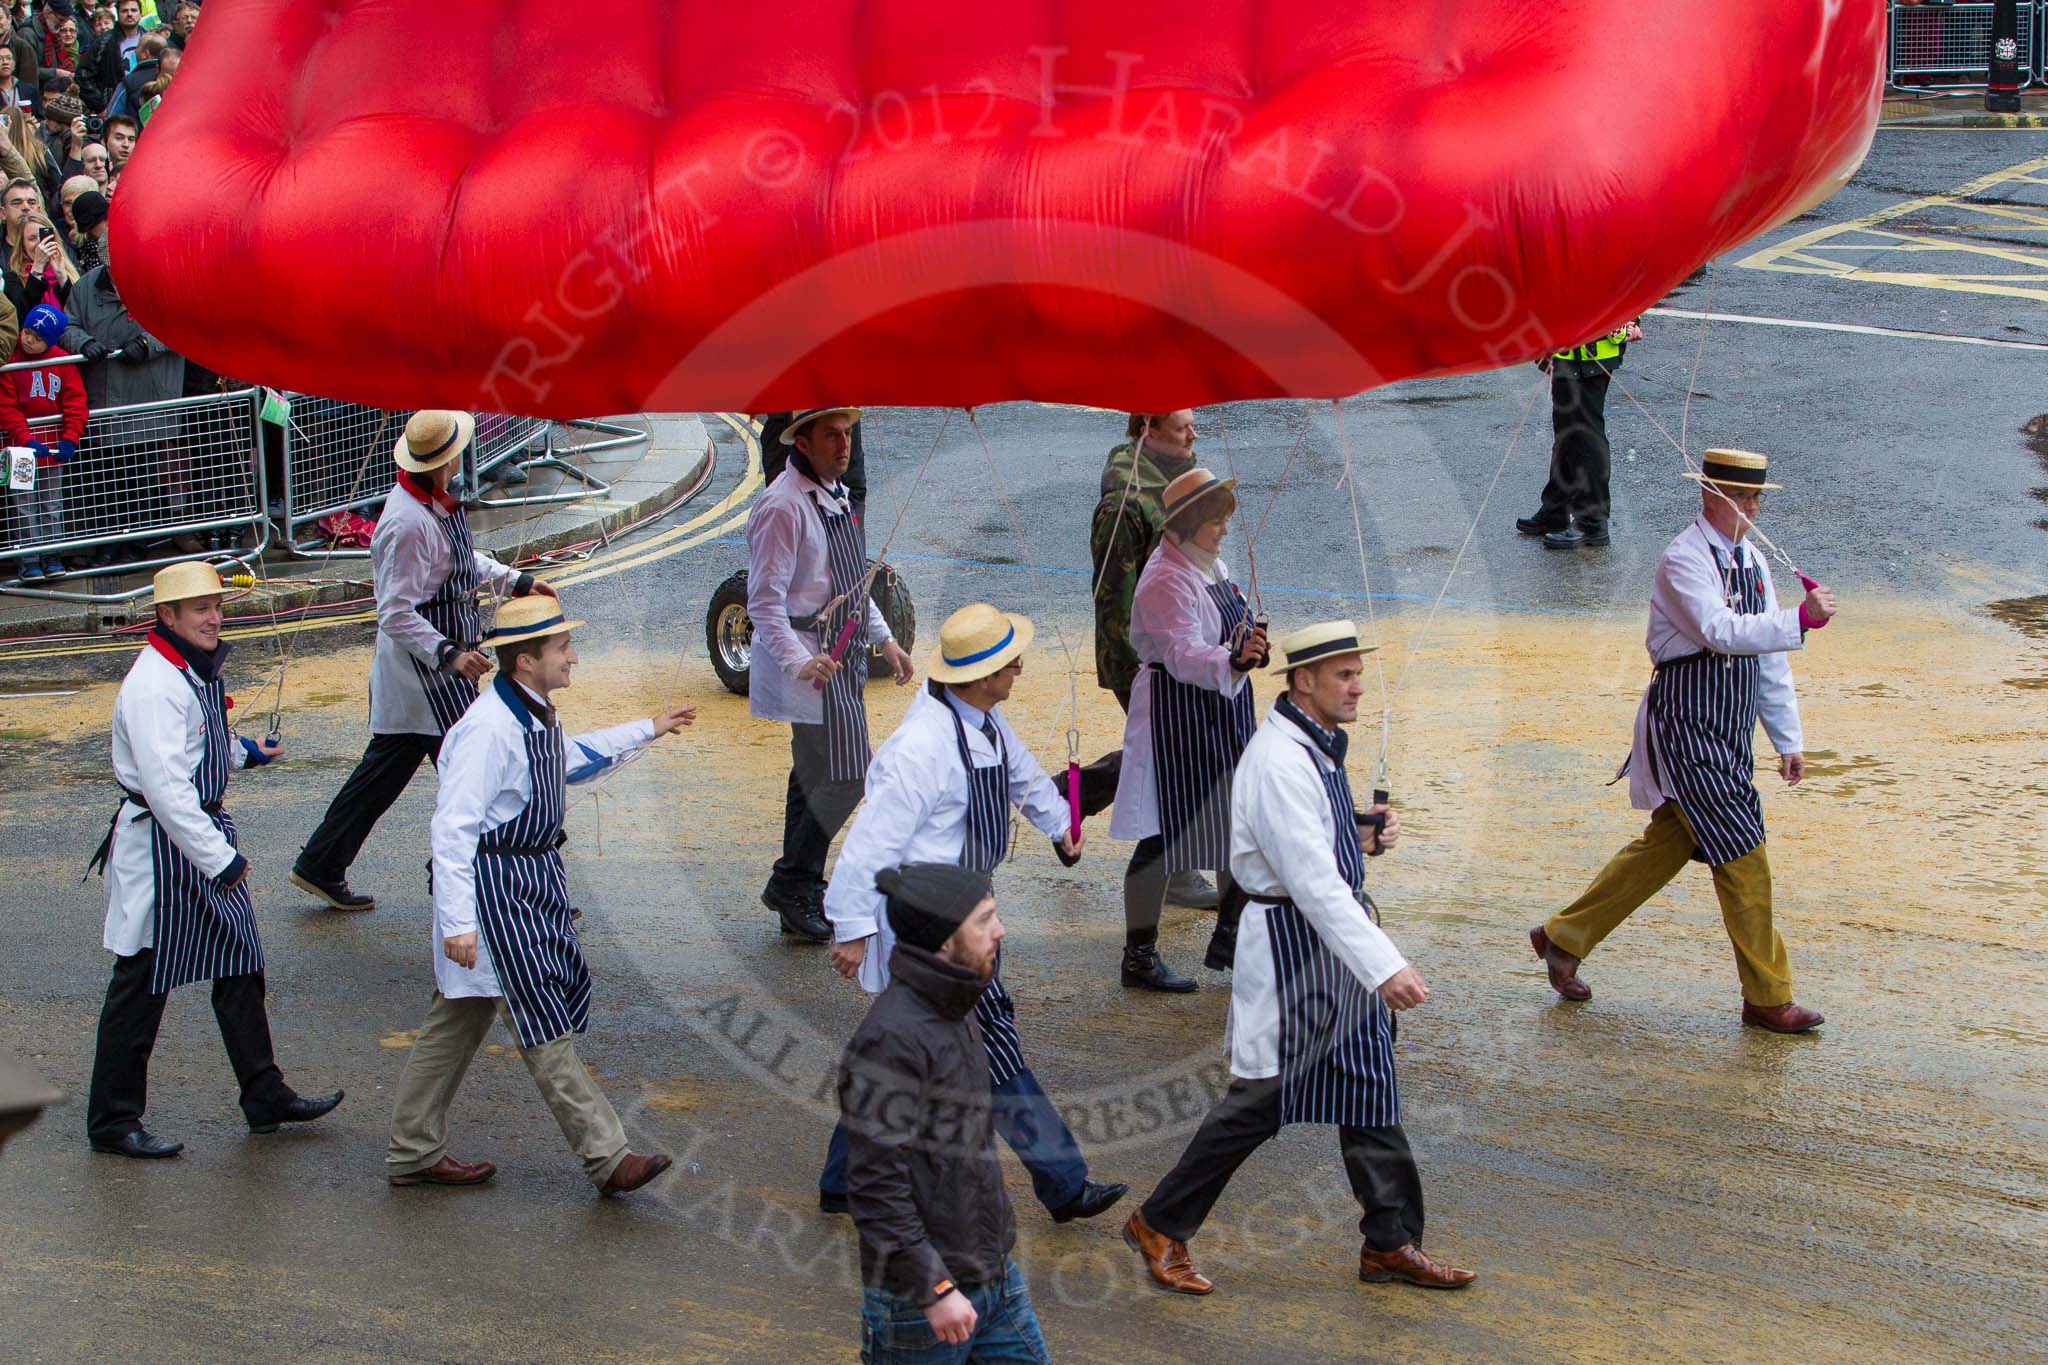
447, 1042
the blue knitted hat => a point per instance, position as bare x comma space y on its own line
47, 322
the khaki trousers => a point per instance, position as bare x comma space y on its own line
441, 1055
1646, 866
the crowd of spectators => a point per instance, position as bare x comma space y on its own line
79, 82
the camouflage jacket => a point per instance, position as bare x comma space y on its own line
1118, 547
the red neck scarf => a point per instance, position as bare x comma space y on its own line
425, 491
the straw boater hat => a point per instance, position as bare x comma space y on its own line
810, 415
978, 640
433, 437
1312, 644
1732, 469
185, 580
1184, 492
527, 618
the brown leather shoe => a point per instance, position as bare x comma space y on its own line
1785, 1018
1410, 1265
449, 1171
636, 1170
1561, 965
1165, 1258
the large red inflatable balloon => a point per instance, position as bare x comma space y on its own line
538, 207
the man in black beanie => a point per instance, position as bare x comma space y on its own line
924, 1185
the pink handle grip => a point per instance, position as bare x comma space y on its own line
1804, 619
838, 651
1073, 800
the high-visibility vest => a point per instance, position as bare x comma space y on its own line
1606, 348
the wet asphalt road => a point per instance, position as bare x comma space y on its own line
1635, 1177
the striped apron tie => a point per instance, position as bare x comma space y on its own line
522, 902
845, 704
1703, 710
202, 932
452, 611
986, 842
1198, 735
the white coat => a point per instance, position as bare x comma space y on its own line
1283, 841
916, 812
485, 781
1174, 622
1689, 612
159, 738
788, 573
409, 560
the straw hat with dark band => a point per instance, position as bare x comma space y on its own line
185, 580
810, 415
978, 640
433, 437
1732, 469
1313, 644
527, 618
1185, 493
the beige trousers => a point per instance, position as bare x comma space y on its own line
441, 1055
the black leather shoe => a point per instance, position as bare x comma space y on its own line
1192, 890
799, 915
1095, 1196
335, 894
830, 1201
1143, 967
301, 1109
141, 1144
1579, 536
1222, 954
1540, 525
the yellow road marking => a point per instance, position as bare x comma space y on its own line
1805, 253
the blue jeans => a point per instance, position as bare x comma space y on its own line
894, 1331
1032, 1127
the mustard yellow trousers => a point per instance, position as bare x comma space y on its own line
1646, 866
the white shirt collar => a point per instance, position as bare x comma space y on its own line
967, 711
1713, 534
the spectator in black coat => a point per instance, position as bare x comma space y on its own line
114, 56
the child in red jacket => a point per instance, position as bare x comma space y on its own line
43, 390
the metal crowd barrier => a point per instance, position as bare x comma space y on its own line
337, 457
1944, 46
146, 477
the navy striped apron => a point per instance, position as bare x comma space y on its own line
986, 842
1703, 710
846, 711
1336, 1034
522, 898
202, 932
1197, 737
453, 612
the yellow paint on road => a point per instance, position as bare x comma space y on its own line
1942, 241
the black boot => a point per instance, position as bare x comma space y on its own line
1542, 524
1222, 954
1143, 967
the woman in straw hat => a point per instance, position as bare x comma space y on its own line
1311, 1034
423, 675
1190, 718
941, 789
1719, 646
504, 943
178, 907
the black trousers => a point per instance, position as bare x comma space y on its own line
1377, 1161
128, 1025
812, 812
1579, 456
1145, 894
380, 778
